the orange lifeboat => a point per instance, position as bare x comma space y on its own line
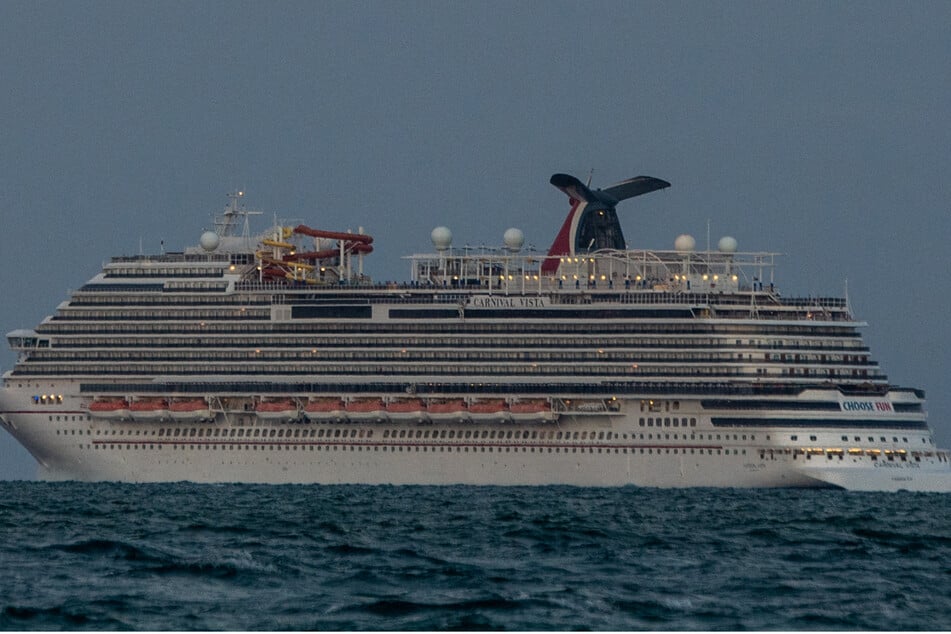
532, 411
149, 409
189, 410
367, 410
279, 410
326, 410
411, 410
494, 410
112, 409
453, 410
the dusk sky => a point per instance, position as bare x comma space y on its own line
815, 129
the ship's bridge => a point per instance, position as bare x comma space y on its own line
24, 340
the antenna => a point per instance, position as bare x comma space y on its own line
708, 235
848, 304
590, 176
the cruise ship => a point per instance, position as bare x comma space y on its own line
273, 358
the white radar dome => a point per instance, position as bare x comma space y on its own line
727, 244
442, 238
209, 241
685, 243
514, 239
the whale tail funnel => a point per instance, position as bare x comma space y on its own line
592, 221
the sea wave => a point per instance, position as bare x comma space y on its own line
182, 556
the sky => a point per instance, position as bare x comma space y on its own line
814, 129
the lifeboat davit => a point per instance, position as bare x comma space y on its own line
189, 410
532, 411
280, 410
452, 410
490, 411
411, 410
112, 409
326, 410
149, 409
367, 410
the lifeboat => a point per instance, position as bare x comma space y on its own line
367, 410
536, 410
326, 410
280, 410
490, 411
189, 410
410, 410
449, 411
113, 409
149, 409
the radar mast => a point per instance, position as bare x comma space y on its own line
226, 223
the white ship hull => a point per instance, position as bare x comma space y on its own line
70, 444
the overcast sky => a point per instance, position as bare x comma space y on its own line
819, 130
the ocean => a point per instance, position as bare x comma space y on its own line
240, 557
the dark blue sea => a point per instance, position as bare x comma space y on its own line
211, 557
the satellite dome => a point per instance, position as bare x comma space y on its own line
685, 243
442, 238
209, 241
514, 239
727, 244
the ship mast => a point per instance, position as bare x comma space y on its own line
227, 222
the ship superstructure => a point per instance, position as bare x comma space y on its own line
275, 359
